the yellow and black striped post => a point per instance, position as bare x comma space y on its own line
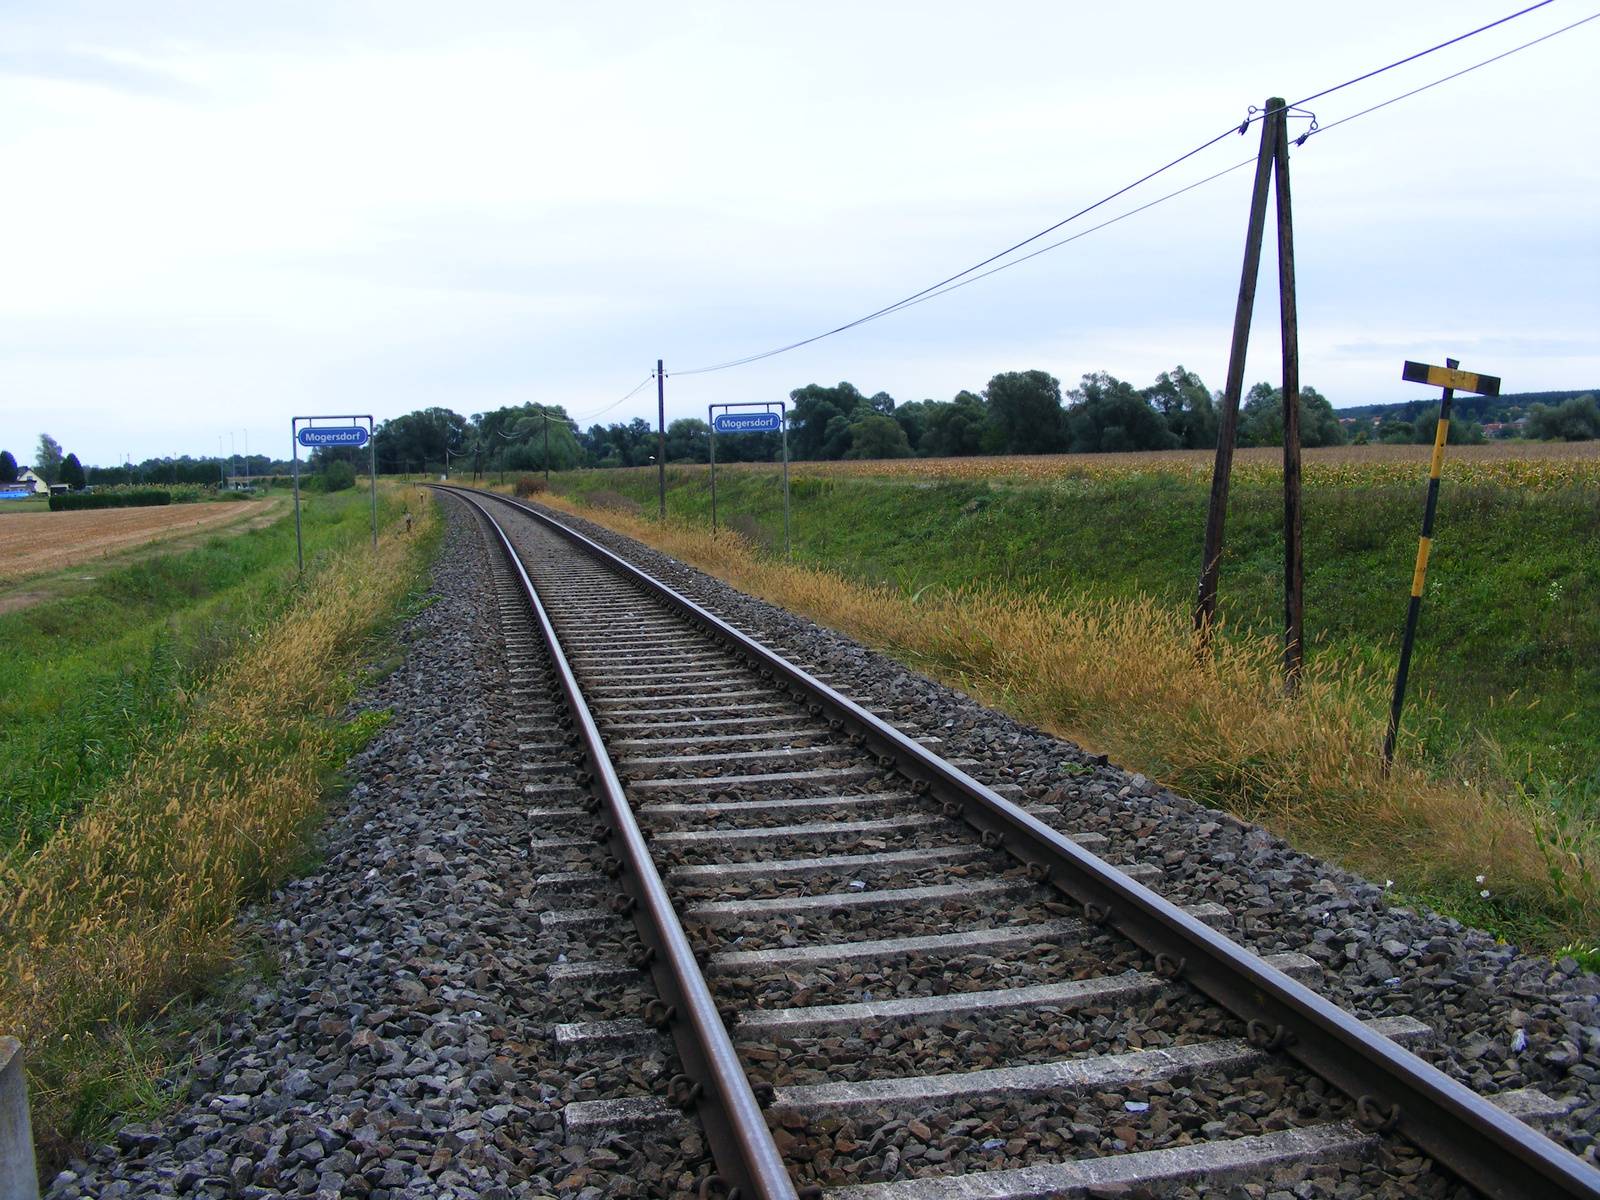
1450, 379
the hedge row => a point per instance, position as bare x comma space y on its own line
109, 500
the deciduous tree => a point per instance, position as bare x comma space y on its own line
955, 429
1186, 404
1576, 420
688, 440
822, 418
1025, 413
1109, 415
47, 459
877, 436
1261, 418
420, 438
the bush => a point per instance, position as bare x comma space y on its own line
339, 477
110, 500
529, 485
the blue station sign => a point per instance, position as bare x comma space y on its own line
753, 422
335, 435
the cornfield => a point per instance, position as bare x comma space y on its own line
1530, 466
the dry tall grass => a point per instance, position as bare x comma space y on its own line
1123, 679
134, 903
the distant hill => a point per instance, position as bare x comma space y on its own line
1470, 408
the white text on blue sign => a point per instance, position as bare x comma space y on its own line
767, 422
337, 435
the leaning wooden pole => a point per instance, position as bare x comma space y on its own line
1228, 425
661, 435
1293, 547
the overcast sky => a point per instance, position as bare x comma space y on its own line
216, 216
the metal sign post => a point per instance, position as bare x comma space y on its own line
750, 421
1451, 380
332, 435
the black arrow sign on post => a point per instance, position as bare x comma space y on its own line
1451, 380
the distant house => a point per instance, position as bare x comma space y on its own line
27, 484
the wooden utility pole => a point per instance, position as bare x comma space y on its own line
1271, 162
1228, 425
1293, 555
661, 436
547, 448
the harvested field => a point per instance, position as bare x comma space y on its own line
31, 543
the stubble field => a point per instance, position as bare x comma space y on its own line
35, 542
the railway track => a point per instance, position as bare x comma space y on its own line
875, 978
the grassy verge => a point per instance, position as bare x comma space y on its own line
1510, 640
31, 504
93, 677
1120, 675
131, 906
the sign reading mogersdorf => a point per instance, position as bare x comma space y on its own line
334, 435
761, 422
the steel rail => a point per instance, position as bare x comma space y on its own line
1394, 1089
746, 1158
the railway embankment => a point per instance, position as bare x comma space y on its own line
444, 1004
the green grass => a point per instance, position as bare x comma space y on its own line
1510, 638
92, 677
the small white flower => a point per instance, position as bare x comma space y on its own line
1388, 883
1480, 878
1484, 893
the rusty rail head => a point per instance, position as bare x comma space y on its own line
1491, 1150
736, 1130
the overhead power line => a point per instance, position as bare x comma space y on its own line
1400, 62
961, 278
915, 296
1457, 74
1246, 162
600, 412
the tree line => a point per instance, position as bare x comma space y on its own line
55, 465
529, 437
1026, 412
1019, 412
